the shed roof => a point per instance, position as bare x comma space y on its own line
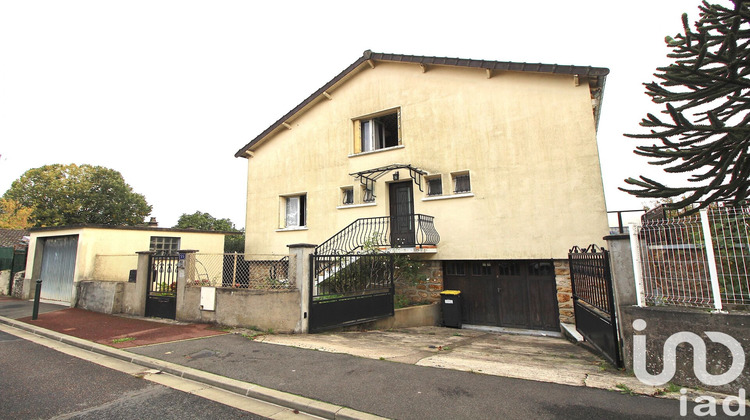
599, 73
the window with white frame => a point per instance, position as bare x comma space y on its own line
347, 195
461, 182
295, 211
434, 185
379, 132
163, 245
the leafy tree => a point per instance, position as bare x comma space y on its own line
72, 194
707, 133
204, 221
13, 215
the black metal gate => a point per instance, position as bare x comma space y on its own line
349, 289
593, 300
161, 296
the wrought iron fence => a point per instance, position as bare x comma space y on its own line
259, 272
376, 232
338, 276
702, 260
590, 277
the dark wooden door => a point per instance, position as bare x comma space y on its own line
512, 294
402, 214
543, 308
516, 294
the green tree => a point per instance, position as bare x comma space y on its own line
72, 194
706, 95
204, 221
13, 215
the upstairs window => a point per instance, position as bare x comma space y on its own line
379, 132
295, 211
461, 182
434, 185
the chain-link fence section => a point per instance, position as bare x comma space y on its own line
257, 272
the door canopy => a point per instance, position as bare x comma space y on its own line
368, 177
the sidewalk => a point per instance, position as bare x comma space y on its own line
480, 375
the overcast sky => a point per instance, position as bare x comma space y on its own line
167, 91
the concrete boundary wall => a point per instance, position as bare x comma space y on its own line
664, 321
100, 296
276, 310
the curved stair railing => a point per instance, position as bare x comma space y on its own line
376, 232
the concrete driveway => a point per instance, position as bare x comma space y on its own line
539, 358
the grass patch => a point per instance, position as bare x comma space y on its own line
624, 389
253, 336
122, 340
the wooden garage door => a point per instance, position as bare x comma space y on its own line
517, 294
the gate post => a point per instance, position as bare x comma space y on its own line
185, 272
141, 281
299, 264
623, 286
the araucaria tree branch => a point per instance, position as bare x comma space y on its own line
706, 132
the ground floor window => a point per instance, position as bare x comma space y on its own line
295, 211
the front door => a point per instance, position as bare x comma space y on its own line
402, 214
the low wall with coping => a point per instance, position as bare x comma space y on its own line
412, 316
276, 310
100, 296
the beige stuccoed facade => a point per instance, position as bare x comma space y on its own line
527, 140
502, 155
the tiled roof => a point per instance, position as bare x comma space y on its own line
598, 72
12, 237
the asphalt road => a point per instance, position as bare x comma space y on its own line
40, 383
403, 391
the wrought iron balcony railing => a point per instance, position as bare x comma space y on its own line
413, 230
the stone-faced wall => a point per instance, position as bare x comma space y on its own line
429, 286
564, 291
18, 280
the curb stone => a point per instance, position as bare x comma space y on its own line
284, 399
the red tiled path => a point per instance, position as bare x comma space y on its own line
103, 328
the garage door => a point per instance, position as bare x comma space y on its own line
517, 294
58, 267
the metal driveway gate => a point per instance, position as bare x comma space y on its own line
161, 295
593, 300
349, 289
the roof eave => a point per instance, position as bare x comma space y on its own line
600, 72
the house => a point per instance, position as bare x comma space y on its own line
487, 171
65, 256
